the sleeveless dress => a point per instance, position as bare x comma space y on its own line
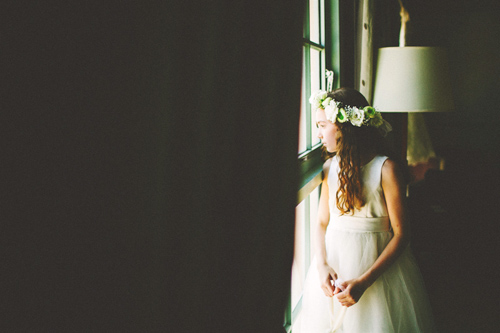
397, 301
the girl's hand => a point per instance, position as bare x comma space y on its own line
326, 278
353, 290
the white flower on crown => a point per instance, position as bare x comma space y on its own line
321, 95
331, 110
357, 117
317, 99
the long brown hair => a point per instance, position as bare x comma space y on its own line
352, 144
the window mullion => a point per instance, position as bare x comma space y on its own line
307, 62
322, 22
306, 22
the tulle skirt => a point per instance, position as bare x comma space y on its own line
396, 302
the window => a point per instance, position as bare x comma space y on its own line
313, 70
320, 51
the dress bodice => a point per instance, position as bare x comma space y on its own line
371, 176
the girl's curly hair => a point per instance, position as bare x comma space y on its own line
352, 143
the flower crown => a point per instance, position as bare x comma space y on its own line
338, 112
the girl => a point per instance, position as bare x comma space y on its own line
364, 277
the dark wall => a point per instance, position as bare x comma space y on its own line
467, 138
469, 31
452, 209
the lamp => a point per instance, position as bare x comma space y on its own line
413, 79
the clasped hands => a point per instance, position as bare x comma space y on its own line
348, 292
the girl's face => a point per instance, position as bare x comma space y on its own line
327, 131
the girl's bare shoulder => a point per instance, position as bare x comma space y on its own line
391, 173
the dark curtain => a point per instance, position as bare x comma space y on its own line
149, 156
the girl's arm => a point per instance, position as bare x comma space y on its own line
326, 273
394, 192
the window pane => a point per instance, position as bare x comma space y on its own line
298, 271
314, 129
296, 324
315, 70
316, 79
313, 215
314, 21
304, 100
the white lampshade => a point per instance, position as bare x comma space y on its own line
412, 79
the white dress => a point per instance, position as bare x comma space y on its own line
397, 301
